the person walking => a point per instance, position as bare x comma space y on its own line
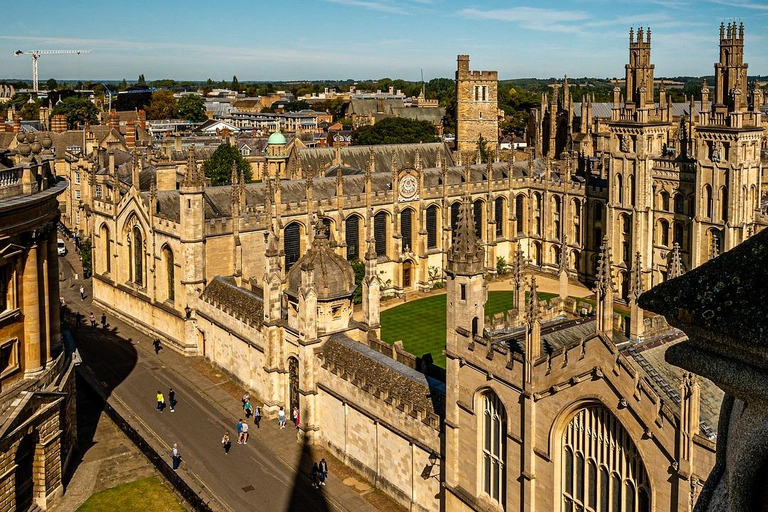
281, 417
239, 431
323, 471
78, 319
257, 416
157, 346
296, 417
175, 456
245, 432
103, 320
171, 398
160, 401
82, 293
248, 410
313, 475
246, 398
226, 443
92, 318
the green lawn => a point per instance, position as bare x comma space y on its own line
421, 323
139, 496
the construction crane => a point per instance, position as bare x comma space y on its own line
36, 55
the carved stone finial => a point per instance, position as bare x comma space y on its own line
604, 273
636, 282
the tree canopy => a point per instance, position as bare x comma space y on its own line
161, 105
191, 107
78, 110
218, 168
396, 130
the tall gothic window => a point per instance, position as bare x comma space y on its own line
602, 470
519, 212
406, 228
169, 274
455, 217
724, 204
380, 233
138, 256
708, 200
292, 244
478, 213
499, 216
107, 249
432, 227
352, 234
494, 433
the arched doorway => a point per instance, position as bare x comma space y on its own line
407, 274
293, 384
25, 459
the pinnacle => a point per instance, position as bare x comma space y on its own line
465, 255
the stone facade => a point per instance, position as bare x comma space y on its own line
477, 111
37, 407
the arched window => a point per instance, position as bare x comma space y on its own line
632, 189
292, 244
475, 327
352, 237
478, 213
665, 200
576, 221
664, 233
380, 222
105, 240
626, 237
556, 211
169, 274
406, 222
519, 213
498, 215
432, 227
677, 236
619, 189
708, 200
537, 214
455, 217
679, 203
138, 256
724, 204
615, 478
494, 450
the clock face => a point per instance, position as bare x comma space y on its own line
408, 187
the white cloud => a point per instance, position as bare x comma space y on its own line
372, 6
534, 18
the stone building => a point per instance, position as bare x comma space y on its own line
477, 111
37, 402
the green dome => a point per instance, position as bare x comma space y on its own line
276, 138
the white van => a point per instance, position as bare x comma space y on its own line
62, 248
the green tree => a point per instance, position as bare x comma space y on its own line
85, 257
218, 168
51, 84
482, 148
335, 107
161, 105
78, 110
295, 106
191, 107
235, 84
142, 80
30, 111
396, 130
359, 268
123, 85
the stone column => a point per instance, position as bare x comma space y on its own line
45, 301
31, 309
53, 294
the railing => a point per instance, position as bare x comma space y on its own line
10, 177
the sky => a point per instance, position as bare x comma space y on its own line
368, 39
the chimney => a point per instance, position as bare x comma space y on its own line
380, 105
130, 134
16, 124
142, 119
114, 120
111, 163
59, 123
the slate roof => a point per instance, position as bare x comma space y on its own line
357, 156
603, 109
397, 379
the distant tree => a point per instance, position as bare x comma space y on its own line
191, 107
123, 85
396, 130
78, 110
86, 258
441, 89
51, 84
30, 111
218, 168
359, 268
335, 107
141, 80
265, 89
235, 84
482, 148
295, 106
161, 106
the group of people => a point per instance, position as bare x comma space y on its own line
318, 473
91, 319
161, 400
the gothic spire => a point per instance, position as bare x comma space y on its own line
193, 175
465, 256
532, 305
518, 264
565, 258
604, 274
636, 281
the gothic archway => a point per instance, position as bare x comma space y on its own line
293, 384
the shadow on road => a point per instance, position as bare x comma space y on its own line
303, 496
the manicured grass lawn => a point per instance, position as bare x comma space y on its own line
139, 496
421, 323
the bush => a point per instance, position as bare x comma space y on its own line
359, 268
85, 257
501, 266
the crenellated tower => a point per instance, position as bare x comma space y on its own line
476, 107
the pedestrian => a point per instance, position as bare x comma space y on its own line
157, 346
171, 398
281, 417
103, 320
160, 401
248, 409
295, 417
175, 456
92, 318
323, 471
246, 398
82, 293
78, 319
75, 276
239, 431
257, 416
313, 475
245, 432
226, 443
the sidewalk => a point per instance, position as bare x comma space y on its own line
209, 404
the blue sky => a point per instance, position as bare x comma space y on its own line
360, 39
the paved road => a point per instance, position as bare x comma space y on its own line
257, 476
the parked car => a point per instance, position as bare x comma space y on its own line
62, 248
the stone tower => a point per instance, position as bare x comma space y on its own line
731, 71
476, 107
466, 296
639, 70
